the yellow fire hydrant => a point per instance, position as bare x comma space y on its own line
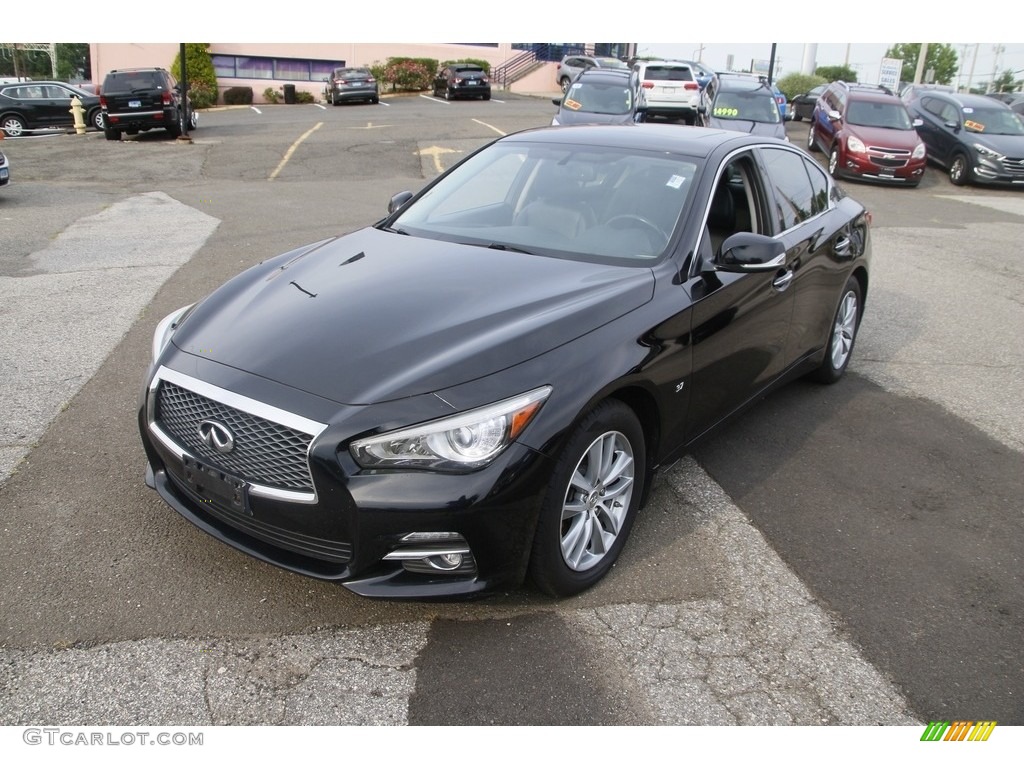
79, 113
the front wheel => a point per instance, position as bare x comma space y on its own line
95, 119
13, 126
833, 162
591, 502
564, 83
843, 336
959, 170
810, 138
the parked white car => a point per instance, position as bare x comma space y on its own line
672, 89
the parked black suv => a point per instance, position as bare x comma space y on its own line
136, 100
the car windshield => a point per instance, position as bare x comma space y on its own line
759, 107
593, 203
611, 63
877, 114
1004, 122
600, 98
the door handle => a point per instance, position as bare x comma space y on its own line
782, 282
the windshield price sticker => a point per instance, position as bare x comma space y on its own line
971, 125
726, 111
571, 104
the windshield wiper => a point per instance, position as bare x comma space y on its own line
396, 231
512, 248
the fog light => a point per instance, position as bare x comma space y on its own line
446, 562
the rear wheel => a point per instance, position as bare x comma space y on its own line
564, 82
175, 129
810, 139
591, 503
843, 336
112, 134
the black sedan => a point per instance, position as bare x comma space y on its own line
803, 104
604, 96
480, 386
42, 104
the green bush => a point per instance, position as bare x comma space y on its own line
837, 73
796, 83
272, 97
202, 79
304, 97
239, 94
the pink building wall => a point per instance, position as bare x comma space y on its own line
108, 56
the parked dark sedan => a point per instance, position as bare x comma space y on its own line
40, 104
976, 138
462, 81
802, 104
480, 386
351, 84
606, 96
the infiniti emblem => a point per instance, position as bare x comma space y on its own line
216, 436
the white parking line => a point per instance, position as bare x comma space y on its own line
321, 106
434, 98
255, 110
488, 125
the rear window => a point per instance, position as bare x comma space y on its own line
130, 81
661, 72
351, 72
469, 70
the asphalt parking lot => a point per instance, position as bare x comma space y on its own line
843, 555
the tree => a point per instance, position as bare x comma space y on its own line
72, 61
202, 78
837, 73
941, 58
1005, 83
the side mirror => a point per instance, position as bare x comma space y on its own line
918, 122
749, 252
398, 201
557, 102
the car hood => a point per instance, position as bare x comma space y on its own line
892, 138
376, 316
1010, 146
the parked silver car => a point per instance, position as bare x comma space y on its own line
570, 66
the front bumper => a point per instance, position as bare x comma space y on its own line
377, 533
876, 167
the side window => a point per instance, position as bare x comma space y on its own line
735, 205
819, 183
793, 192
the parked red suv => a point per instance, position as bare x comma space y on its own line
867, 133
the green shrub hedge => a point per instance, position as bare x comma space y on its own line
239, 94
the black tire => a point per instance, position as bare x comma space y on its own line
112, 134
842, 336
375, 100
960, 170
811, 145
564, 83
487, 97
590, 506
448, 95
175, 128
95, 119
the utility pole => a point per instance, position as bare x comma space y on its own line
920, 62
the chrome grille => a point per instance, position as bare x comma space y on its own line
266, 453
1014, 165
889, 162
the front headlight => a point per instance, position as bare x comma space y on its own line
988, 154
855, 145
459, 443
918, 151
165, 329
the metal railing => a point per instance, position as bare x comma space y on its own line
525, 62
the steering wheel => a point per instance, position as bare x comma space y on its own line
632, 217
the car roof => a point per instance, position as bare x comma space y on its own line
611, 75
694, 141
729, 82
969, 99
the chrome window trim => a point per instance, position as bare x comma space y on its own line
241, 403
